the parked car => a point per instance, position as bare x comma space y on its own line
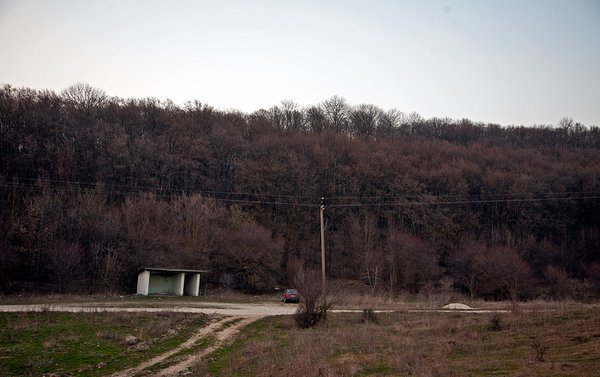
290, 295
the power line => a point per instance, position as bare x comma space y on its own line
486, 195
98, 190
302, 202
433, 203
135, 188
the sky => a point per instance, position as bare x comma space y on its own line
523, 62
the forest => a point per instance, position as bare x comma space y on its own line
94, 187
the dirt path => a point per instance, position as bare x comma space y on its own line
227, 309
223, 331
222, 337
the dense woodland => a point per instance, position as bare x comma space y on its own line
93, 187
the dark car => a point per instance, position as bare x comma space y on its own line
290, 295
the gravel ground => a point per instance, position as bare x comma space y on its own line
237, 310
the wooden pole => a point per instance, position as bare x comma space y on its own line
322, 210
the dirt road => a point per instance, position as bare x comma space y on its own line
222, 331
226, 309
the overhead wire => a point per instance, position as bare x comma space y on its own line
484, 201
132, 188
304, 200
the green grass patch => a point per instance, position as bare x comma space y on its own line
87, 344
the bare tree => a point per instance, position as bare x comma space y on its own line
65, 265
411, 261
293, 118
364, 120
84, 96
496, 271
316, 119
388, 121
593, 277
337, 111
363, 237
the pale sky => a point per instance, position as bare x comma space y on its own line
520, 62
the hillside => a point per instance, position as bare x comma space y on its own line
94, 187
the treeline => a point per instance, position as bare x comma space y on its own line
93, 188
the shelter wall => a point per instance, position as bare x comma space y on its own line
163, 284
168, 283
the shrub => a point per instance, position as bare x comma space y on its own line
314, 304
369, 316
495, 322
539, 349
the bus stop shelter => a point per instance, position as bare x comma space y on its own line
168, 281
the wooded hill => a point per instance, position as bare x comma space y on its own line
94, 187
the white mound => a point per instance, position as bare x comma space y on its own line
457, 306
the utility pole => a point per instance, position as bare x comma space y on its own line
322, 210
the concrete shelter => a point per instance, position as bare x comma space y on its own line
168, 281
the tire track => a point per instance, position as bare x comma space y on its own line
222, 337
220, 330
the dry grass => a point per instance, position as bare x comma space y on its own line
436, 300
538, 343
353, 294
349, 294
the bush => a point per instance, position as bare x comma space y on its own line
539, 350
369, 316
495, 323
314, 304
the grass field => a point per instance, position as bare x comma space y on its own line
558, 343
537, 339
91, 344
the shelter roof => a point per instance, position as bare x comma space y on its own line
172, 270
